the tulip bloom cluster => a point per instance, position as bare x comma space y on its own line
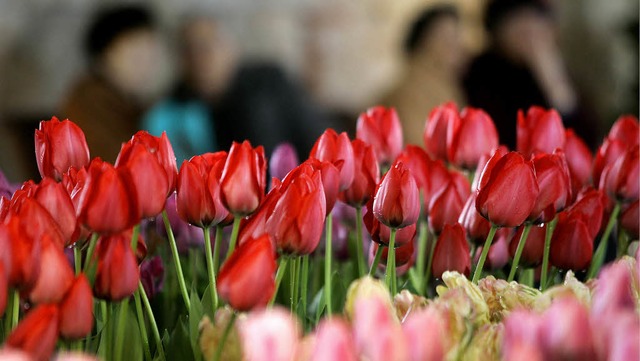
86, 246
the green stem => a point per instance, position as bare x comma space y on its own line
527, 277
376, 260
152, 320
551, 226
282, 267
210, 267
225, 335
77, 260
327, 265
176, 261
598, 257
292, 283
109, 331
234, 236
141, 325
623, 243
516, 258
134, 238
92, 246
390, 271
216, 249
485, 252
422, 250
360, 253
303, 286
432, 248
120, 331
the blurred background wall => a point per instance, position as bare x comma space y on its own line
347, 53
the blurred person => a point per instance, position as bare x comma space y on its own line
219, 98
434, 60
108, 101
522, 67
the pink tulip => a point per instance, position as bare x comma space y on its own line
269, 335
426, 333
334, 341
377, 332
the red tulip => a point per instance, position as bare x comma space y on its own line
498, 255
198, 190
54, 198
610, 150
76, 310
485, 166
56, 275
469, 137
108, 202
255, 225
579, 160
381, 128
60, 146
436, 129
151, 181
572, 243
533, 248
590, 208
35, 220
477, 227
404, 254
397, 200
381, 234
554, 184
247, 278
243, 178
367, 175
419, 162
297, 220
626, 130
540, 131
330, 178
445, 208
23, 265
620, 179
4, 286
117, 274
451, 252
629, 219
508, 191
37, 333
331, 147
283, 160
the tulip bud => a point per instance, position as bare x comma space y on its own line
554, 184
436, 129
533, 248
572, 243
117, 275
469, 137
451, 252
477, 227
404, 256
56, 276
331, 147
625, 129
247, 278
54, 198
445, 208
508, 190
76, 310
254, 226
330, 178
37, 332
620, 179
23, 265
334, 341
367, 175
152, 275
381, 128
579, 160
381, 234
365, 288
243, 181
630, 219
565, 333
60, 146
397, 201
283, 160
269, 335
540, 131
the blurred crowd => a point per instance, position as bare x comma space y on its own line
219, 96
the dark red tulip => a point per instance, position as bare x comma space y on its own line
108, 202
330, 178
381, 128
247, 278
589, 206
243, 182
554, 184
540, 131
117, 274
381, 234
435, 132
60, 146
485, 166
198, 190
626, 130
533, 248
572, 243
629, 219
509, 193
477, 227
76, 310
366, 175
54, 198
152, 275
297, 220
56, 275
283, 160
404, 254
24, 261
445, 208
37, 333
609, 151
451, 252
498, 255
4, 285
620, 179
469, 137
579, 160
333, 148
397, 200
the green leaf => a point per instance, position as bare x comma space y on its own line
179, 346
194, 320
207, 303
